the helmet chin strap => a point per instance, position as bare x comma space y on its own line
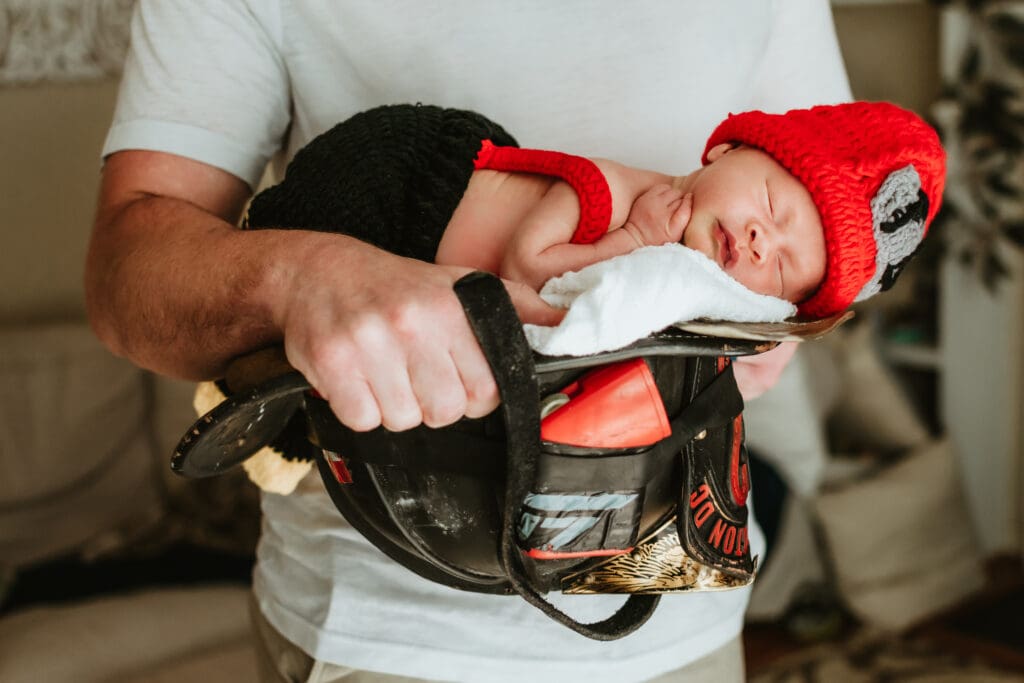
500, 333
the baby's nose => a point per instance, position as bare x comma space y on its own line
760, 242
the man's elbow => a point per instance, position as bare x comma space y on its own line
106, 291
101, 309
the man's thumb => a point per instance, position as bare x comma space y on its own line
530, 307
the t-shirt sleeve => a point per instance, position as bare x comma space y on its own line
802, 64
205, 80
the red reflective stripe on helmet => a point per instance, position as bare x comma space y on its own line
739, 475
341, 472
538, 554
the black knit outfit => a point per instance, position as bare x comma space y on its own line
390, 176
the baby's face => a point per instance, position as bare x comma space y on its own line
758, 222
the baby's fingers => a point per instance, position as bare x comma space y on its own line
680, 217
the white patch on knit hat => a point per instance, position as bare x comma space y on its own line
898, 212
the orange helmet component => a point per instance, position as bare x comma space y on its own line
616, 406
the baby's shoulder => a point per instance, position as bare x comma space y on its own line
625, 184
626, 179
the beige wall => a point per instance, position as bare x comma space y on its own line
52, 136
890, 50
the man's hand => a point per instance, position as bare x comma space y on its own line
385, 340
757, 374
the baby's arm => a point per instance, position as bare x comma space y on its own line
540, 248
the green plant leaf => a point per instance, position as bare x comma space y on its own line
992, 269
970, 65
1015, 233
1000, 186
1006, 24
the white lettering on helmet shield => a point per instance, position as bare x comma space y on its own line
898, 212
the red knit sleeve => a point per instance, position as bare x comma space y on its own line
581, 174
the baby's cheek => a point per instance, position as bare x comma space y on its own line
692, 239
755, 280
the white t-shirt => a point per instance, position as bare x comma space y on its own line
234, 82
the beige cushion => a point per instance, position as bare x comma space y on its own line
900, 541
194, 634
76, 452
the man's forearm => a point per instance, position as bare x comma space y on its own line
180, 291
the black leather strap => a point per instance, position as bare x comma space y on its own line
499, 331
716, 405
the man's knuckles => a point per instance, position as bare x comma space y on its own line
444, 410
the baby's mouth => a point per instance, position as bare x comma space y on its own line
724, 245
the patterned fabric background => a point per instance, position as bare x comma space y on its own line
981, 119
62, 40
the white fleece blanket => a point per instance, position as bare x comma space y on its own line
616, 302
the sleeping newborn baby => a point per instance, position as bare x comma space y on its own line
819, 207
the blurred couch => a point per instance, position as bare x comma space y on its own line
85, 438
112, 569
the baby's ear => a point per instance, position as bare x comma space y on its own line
719, 151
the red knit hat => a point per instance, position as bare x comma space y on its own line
876, 173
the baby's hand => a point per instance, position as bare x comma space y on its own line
659, 216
